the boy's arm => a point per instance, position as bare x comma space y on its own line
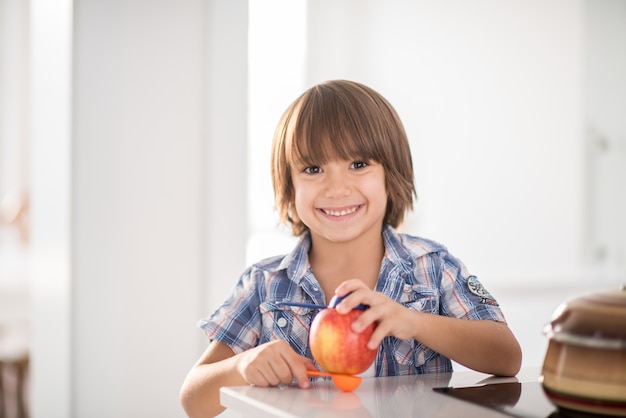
199, 395
483, 345
265, 365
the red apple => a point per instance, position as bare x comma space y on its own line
336, 347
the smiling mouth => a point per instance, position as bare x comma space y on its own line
342, 212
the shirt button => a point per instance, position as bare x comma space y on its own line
281, 322
315, 288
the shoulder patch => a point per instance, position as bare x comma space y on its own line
479, 290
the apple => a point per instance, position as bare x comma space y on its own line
336, 347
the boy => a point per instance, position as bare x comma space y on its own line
343, 179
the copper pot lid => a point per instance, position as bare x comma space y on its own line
593, 320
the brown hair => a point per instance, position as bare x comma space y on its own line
342, 120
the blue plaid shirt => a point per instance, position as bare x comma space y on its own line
418, 273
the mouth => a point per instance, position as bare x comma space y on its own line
341, 212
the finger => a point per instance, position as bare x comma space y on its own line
377, 337
300, 372
348, 286
298, 366
361, 296
282, 370
269, 376
295, 367
255, 378
310, 365
250, 369
289, 365
368, 317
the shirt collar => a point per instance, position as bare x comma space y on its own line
396, 252
297, 261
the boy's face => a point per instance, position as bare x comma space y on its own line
342, 200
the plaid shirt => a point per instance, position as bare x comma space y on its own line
418, 273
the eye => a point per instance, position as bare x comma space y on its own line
314, 169
357, 165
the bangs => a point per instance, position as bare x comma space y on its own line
328, 127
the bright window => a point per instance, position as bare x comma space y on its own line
277, 49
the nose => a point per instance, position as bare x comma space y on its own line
337, 185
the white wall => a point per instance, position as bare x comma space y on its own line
225, 118
605, 106
137, 204
137, 119
277, 71
51, 293
491, 94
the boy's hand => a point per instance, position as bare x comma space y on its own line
392, 318
273, 363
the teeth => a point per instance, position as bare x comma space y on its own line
340, 212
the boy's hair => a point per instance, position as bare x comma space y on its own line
341, 120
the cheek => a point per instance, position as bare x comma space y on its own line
376, 192
378, 202
302, 199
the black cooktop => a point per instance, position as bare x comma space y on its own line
522, 400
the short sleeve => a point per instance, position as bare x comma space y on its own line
463, 296
237, 321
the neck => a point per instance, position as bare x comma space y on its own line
335, 262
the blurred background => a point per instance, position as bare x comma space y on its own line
135, 183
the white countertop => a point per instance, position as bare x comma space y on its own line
401, 396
